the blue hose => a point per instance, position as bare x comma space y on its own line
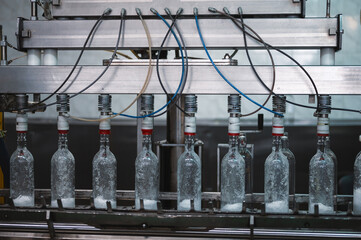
225, 79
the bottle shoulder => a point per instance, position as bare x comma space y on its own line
233, 157
276, 158
22, 154
146, 155
104, 155
189, 157
63, 153
321, 158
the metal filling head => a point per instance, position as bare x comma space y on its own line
234, 103
325, 104
21, 102
147, 102
190, 103
105, 103
279, 103
62, 101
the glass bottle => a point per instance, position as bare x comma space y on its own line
357, 186
104, 174
147, 176
189, 177
321, 183
232, 178
292, 163
276, 180
22, 174
63, 174
248, 158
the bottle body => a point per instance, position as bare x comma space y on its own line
189, 178
322, 180
22, 174
276, 180
63, 175
232, 179
357, 186
147, 176
104, 175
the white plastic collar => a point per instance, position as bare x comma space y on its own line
105, 124
147, 123
63, 124
234, 125
190, 124
278, 126
22, 122
323, 126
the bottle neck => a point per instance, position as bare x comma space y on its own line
147, 142
285, 143
321, 143
189, 142
233, 143
327, 143
21, 139
104, 141
63, 141
276, 143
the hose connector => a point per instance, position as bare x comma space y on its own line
240, 11
167, 11
123, 12
212, 9
180, 11
137, 10
195, 11
107, 11
153, 11
226, 11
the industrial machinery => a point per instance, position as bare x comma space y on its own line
180, 208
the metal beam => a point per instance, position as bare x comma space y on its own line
202, 79
91, 8
218, 33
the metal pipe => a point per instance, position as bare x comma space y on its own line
328, 9
34, 10
175, 134
4, 51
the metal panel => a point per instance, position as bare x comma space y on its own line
218, 33
202, 79
81, 8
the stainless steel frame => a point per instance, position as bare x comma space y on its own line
218, 33
203, 79
81, 8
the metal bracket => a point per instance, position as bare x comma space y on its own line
260, 125
340, 31
251, 227
50, 224
25, 33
